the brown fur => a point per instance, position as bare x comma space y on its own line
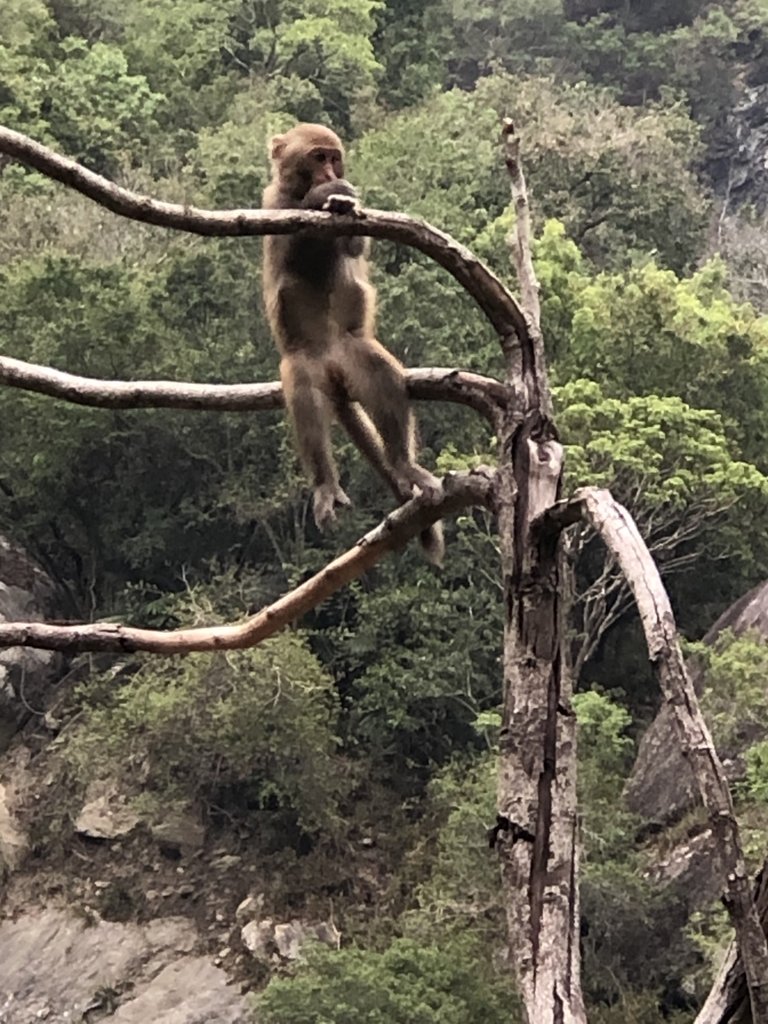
321, 308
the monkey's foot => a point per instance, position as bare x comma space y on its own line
326, 499
420, 481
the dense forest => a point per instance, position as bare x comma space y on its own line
350, 763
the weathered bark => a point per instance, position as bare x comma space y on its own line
618, 531
483, 394
537, 823
460, 490
728, 1001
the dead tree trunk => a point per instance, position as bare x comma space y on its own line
537, 824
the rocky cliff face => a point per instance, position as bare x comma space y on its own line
58, 965
661, 786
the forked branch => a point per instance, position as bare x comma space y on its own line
460, 491
619, 533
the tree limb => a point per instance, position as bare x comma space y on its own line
459, 491
619, 533
519, 242
484, 394
728, 1000
485, 288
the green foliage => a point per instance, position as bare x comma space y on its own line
422, 660
619, 179
756, 783
649, 332
735, 698
97, 111
632, 942
236, 729
672, 466
640, 1008
84, 101
461, 893
605, 756
317, 54
408, 983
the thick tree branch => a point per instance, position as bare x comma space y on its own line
728, 1000
485, 288
459, 491
619, 533
484, 394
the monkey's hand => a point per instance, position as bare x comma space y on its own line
337, 196
339, 203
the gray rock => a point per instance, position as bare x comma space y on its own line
26, 593
661, 786
259, 938
13, 842
190, 991
56, 966
250, 908
181, 830
264, 938
105, 814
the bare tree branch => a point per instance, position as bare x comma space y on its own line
490, 294
459, 491
520, 244
619, 533
520, 240
484, 394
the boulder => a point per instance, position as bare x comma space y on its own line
26, 593
105, 814
661, 787
57, 966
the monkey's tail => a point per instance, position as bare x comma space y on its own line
433, 543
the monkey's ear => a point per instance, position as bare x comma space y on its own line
277, 147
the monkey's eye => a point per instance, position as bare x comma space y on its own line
320, 157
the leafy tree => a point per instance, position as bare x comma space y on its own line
735, 698
236, 730
84, 100
317, 54
461, 893
409, 983
410, 46
673, 467
647, 331
606, 753
520, 36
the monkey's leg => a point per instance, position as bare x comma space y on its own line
366, 438
376, 379
310, 408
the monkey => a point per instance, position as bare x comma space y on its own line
320, 306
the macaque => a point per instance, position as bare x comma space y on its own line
321, 308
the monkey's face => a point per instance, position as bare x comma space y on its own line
305, 157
